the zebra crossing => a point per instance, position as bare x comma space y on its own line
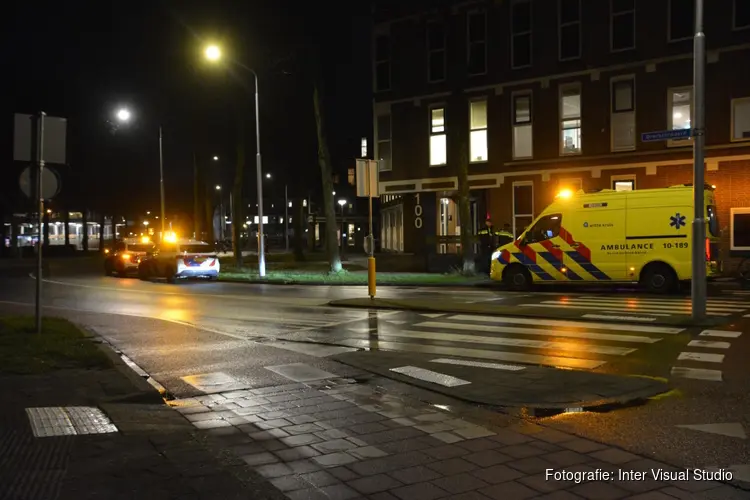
647, 307
703, 356
492, 339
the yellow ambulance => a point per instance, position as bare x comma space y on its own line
607, 236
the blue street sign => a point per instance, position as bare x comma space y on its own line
666, 135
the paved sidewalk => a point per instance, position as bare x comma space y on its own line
336, 439
156, 453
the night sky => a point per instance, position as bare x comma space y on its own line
83, 59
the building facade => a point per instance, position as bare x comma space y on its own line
542, 95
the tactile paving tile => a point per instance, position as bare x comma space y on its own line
68, 421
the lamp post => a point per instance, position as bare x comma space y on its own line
221, 212
124, 115
286, 213
698, 283
342, 203
213, 53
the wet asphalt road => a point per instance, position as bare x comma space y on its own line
126, 312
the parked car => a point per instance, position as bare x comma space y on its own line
180, 259
125, 256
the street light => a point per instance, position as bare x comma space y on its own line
123, 114
268, 176
213, 53
342, 203
216, 158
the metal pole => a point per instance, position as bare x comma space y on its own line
231, 213
40, 171
698, 284
221, 215
161, 181
259, 175
286, 215
343, 243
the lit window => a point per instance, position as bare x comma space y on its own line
741, 119
570, 114
363, 148
623, 185
438, 142
522, 127
679, 112
383, 131
350, 178
478, 122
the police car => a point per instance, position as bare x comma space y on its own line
180, 259
125, 256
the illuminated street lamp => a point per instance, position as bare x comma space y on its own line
342, 203
216, 158
213, 53
124, 115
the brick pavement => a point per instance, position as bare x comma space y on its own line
340, 440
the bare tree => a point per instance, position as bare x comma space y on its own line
464, 212
300, 222
236, 208
324, 160
197, 211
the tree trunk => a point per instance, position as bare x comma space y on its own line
237, 194
324, 160
464, 213
209, 209
197, 211
102, 221
300, 223
66, 226
45, 232
85, 230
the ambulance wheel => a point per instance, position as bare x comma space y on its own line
659, 278
517, 278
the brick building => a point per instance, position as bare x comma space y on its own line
549, 94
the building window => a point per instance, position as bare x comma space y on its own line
478, 133
476, 31
435, 51
523, 206
623, 182
570, 119
520, 28
438, 142
382, 63
741, 119
741, 15
523, 144
622, 25
622, 120
569, 29
363, 147
681, 20
384, 142
739, 229
679, 113
350, 177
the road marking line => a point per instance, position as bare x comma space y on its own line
709, 344
655, 314
697, 373
685, 301
430, 376
478, 364
703, 357
565, 323
649, 305
509, 342
539, 332
589, 308
720, 333
513, 357
625, 318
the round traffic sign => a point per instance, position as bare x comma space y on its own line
50, 183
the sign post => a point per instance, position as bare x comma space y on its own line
698, 283
33, 143
367, 186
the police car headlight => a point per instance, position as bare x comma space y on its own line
495, 255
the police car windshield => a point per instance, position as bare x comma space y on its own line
196, 248
140, 248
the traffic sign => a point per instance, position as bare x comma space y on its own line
666, 135
367, 173
50, 184
53, 150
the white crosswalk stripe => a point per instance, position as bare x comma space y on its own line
646, 306
699, 363
494, 339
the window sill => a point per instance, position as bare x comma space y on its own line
740, 140
523, 158
623, 150
578, 153
478, 162
438, 166
617, 51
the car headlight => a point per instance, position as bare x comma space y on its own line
495, 255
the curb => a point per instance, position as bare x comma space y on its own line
392, 305
148, 390
304, 283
